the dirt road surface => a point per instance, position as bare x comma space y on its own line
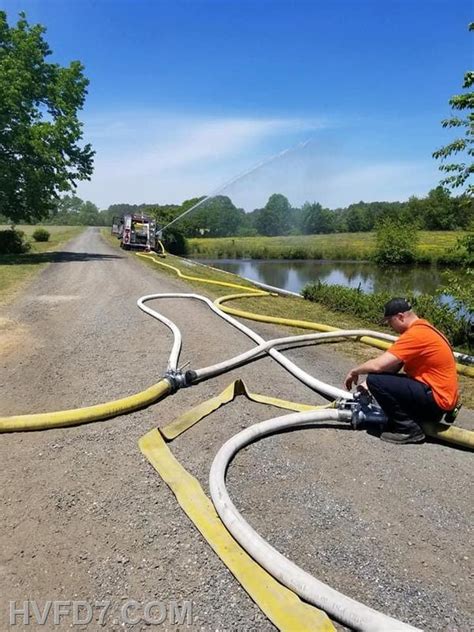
85, 517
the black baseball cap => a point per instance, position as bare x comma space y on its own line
396, 306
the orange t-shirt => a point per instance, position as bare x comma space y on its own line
428, 358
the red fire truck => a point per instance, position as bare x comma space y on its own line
135, 231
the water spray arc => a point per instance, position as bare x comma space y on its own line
238, 177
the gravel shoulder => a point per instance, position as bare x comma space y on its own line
84, 516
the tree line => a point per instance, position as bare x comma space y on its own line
219, 217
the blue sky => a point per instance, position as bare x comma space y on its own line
184, 95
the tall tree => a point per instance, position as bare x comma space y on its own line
40, 132
274, 218
358, 219
217, 217
459, 172
440, 210
317, 219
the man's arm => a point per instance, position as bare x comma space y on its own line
387, 362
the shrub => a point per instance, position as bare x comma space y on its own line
424, 258
296, 253
462, 254
466, 246
13, 242
452, 259
41, 234
175, 242
461, 289
396, 242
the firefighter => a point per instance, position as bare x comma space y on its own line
426, 391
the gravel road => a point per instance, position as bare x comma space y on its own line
85, 517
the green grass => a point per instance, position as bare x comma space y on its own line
357, 246
17, 270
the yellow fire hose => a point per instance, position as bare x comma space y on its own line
44, 421
302, 324
162, 252
286, 611
450, 434
188, 277
235, 389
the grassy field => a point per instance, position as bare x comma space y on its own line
284, 307
347, 246
17, 270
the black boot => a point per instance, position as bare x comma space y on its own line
415, 436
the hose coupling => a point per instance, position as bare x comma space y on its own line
178, 379
190, 377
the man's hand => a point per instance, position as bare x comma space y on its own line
386, 362
351, 378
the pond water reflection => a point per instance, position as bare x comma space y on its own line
294, 275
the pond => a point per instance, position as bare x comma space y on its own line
294, 275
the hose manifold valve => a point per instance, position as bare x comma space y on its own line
364, 410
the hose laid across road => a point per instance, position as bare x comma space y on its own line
450, 434
328, 391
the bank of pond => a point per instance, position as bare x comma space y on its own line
439, 246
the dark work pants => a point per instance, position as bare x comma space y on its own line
405, 401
